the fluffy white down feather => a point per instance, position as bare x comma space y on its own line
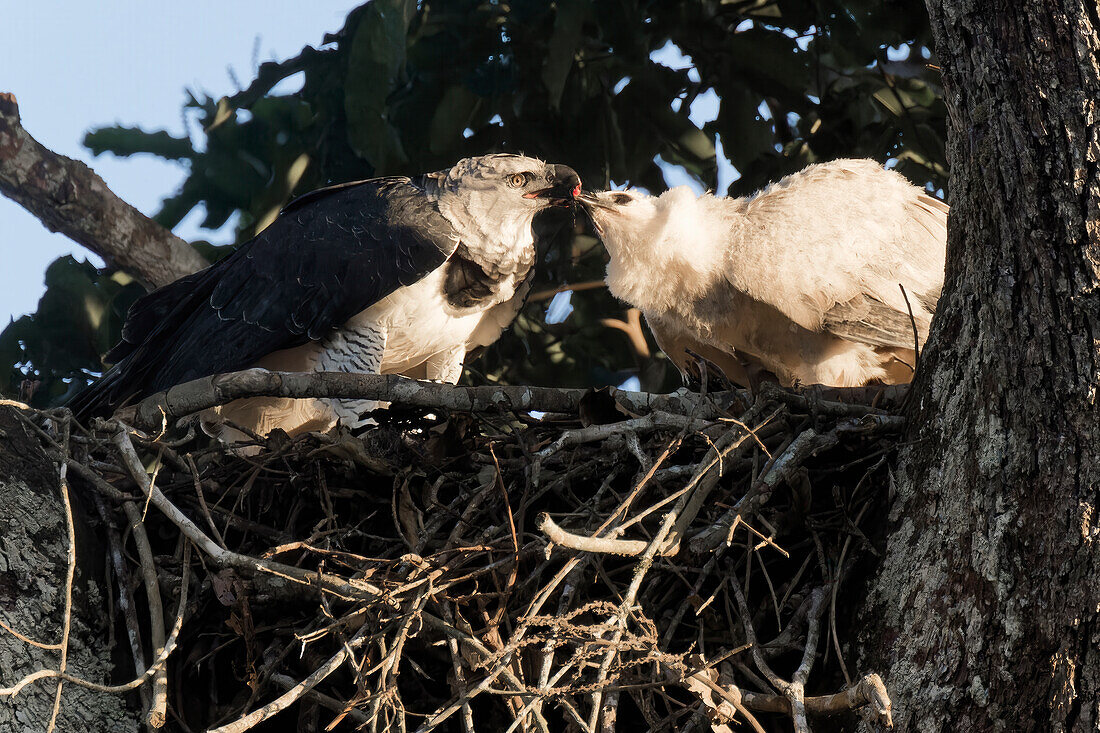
806, 276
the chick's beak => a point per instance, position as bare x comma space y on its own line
591, 202
564, 186
595, 209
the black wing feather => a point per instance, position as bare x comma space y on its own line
330, 254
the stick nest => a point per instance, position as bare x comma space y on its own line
496, 570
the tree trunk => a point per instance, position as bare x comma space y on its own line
34, 545
983, 615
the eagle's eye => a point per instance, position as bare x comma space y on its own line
517, 180
620, 198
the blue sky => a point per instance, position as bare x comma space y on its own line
74, 66
77, 66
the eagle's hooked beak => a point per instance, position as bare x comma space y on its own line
564, 186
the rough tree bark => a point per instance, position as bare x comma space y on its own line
984, 613
68, 197
33, 564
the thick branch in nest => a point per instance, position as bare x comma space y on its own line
869, 690
201, 394
68, 197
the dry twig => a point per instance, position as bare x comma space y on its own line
310, 522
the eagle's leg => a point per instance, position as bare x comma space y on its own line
356, 349
446, 366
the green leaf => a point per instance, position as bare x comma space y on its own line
894, 100
568, 23
745, 135
174, 208
126, 141
772, 63
451, 117
696, 143
376, 64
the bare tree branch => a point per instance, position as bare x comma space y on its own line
869, 690
207, 392
68, 197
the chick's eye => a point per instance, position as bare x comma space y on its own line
621, 198
517, 180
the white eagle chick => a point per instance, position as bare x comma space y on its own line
812, 278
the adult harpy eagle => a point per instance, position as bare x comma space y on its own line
811, 279
387, 275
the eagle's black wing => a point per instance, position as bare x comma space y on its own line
329, 255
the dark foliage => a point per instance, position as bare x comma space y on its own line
408, 87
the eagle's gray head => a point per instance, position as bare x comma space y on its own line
493, 199
506, 187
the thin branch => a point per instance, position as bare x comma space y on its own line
595, 433
540, 295
731, 696
782, 469
160, 661
202, 501
797, 690
632, 327
291, 696
125, 596
838, 401
70, 572
585, 543
869, 690
157, 711
322, 699
27, 639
